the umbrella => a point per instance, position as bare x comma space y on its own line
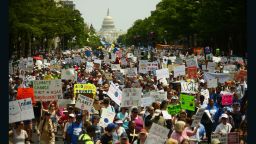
37, 58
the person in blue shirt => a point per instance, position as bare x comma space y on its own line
75, 129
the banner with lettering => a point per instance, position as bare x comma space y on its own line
131, 97
24, 93
84, 102
192, 72
162, 73
179, 71
20, 110
189, 87
115, 93
143, 66
187, 102
47, 90
173, 109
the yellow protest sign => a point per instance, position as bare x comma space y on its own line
85, 89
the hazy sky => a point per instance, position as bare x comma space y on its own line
124, 12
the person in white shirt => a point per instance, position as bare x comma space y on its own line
224, 127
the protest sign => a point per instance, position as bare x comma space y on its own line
229, 69
227, 99
216, 59
143, 66
179, 61
120, 77
123, 62
192, 72
115, 66
223, 138
30, 64
147, 101
158, 95
97, 61
77, 60
166, 115
162, 73
211, 66
62, 103
204, 68
108, 76
179, 71
171, 67
173, 109
22, 64
47, 90
84, 102
131, 97
115, 93
89, 66
212, 83
106, 117
131, 72
233, 138
198, 117
189, 87
69, 74
222, 77
187, 102
54, 65
157, 134
152, 66
21, 110
24, 93
85, 89
191, 62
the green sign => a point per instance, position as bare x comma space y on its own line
187, 102
173, 109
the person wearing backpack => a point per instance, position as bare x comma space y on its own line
87, 138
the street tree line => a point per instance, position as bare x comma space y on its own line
35, 25
215, 23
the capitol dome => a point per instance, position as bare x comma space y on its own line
108, 23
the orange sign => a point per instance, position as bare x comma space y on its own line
24, 93
192, 72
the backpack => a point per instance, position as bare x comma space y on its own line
82, 141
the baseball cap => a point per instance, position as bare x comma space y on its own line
119, 122
157, 112
224, 116
111, 127
71, 115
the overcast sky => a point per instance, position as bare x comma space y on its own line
124, 12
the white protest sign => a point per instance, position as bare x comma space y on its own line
179, 71
171, 67
198, 117
229, 69
21, 110
131, 72
131, 97
106, 117
222, 77
204, 68
147, 101
157, 134
216, 59
97, 61
190, 62
84, 102
162, 73
179, 61
143, 66
189, 87
152, 66
69, 74
30, 64
211, 66
113, 57
223, 138
68, 60
115, 66
158, 95
89, 66
166, 115
62, 103
47, 90
212, 83
115, 93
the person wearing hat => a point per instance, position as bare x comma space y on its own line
141, 137
98, 129
224, 127
46, 130
71, 119
119, 131
107, 137
75, 129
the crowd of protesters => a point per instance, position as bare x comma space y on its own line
131, 125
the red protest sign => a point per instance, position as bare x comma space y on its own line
24, 93
192, 72
227, 99
241, 75
233, 138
